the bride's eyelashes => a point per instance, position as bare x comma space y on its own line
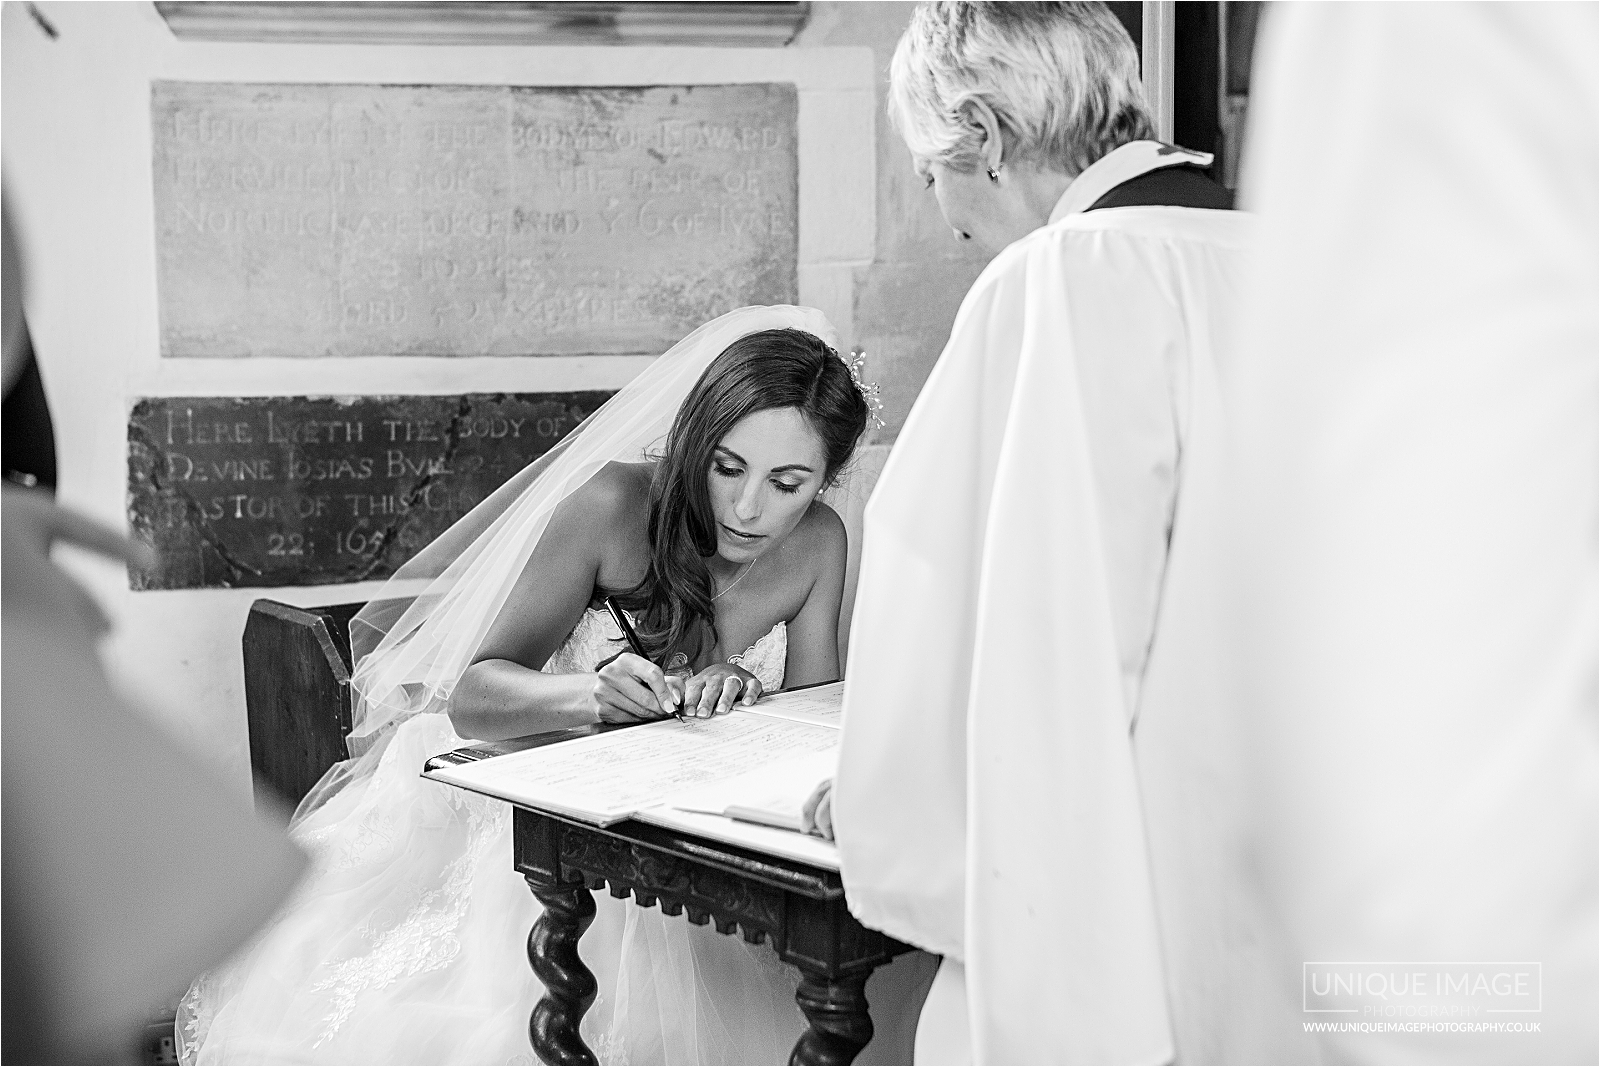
734, 472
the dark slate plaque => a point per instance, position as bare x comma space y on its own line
282, 491
466, 220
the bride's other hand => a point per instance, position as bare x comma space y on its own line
630, 688
816, 814
715, 690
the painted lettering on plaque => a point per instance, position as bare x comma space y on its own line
285, 491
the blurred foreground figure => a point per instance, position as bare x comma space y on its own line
126, 869
1398, 601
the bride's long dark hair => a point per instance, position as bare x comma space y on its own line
760, 371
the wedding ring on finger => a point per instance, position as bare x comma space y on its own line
709, 698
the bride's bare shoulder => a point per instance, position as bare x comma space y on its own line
820, 536
616, 493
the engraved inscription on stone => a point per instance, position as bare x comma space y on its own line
454, 220
283, 491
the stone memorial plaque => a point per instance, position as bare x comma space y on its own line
283, 491
457, 220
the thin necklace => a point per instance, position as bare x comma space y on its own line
748, 567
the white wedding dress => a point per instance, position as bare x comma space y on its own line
407, 941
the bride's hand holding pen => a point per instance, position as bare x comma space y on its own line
635, 667
629, 688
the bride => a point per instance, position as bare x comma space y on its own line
691, 496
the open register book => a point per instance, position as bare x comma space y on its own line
739, 778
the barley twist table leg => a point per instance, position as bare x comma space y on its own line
569, 986
840, 1027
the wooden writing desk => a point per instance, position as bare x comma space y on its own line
801, 908
297, 690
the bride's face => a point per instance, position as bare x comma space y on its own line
764, 475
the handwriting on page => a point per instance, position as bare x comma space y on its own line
620, 772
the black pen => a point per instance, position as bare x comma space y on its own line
632, 638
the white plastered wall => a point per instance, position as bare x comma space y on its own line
77, 159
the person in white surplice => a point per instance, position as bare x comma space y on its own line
1368, 733
986, 805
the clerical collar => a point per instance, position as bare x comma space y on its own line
1122, 165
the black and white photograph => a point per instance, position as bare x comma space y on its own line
856, 531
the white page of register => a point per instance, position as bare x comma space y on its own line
821, 704
610, 776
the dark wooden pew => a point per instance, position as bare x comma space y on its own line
297, 693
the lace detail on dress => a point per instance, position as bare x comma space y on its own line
594, 639
374, 834
766, 658
424, 938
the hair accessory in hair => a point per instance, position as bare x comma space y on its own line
856, 361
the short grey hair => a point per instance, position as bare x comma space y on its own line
1062, 78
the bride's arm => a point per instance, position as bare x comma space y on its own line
814, 634
503, 693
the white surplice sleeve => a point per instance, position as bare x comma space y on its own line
986, 805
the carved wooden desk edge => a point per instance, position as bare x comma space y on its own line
731, 887
800, 908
